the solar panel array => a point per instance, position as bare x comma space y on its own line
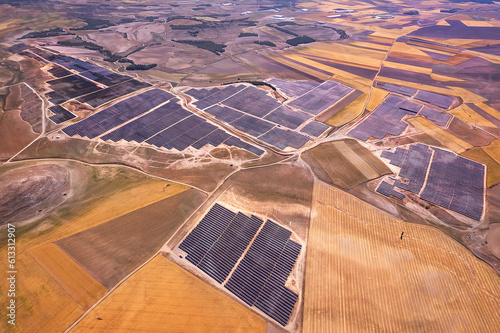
258, 278
414, 168
82, 86
216, 244
453, 182
456, 183
387, 189
173, 127
386, 119
117, 114
255, 112
397, 157
225, 252
438, 117
407, 91
61, 114
293, 88
443, 101
321, 98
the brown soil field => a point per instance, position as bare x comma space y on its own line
493, 239
15, 133
492, 167
27, 192
162, 296
112, 250
474, 136
82, 287
185, 168
282, 192
361, 276
98, 194
346, 163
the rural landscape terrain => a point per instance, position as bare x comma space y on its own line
250, 166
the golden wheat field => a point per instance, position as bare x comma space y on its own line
82, 287
362, 277
47, 301
163, 297
446, 139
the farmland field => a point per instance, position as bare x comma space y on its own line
163, 295
346, 163
372, 278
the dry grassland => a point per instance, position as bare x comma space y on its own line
104, 193
466, 114
361, 276
370, 45
349, 112
493, 149
376, 97
346, 163
446, 139
406, 51
492, 167
163, 297
82, 287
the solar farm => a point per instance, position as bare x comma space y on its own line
269, 166
219, 240
388, 118
254, 112
438, 176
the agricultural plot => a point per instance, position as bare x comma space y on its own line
344, 163
219, 240
358, 267
386, 119
145, 302
60, 114
448, 180
110, 251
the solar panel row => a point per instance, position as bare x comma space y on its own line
223, 255
407, 91
438, 117
293, 88
275, 299
414, 168
386, 119
397, 157
436, 99
203, 236
322, 97
61, 114
118, 113
387, 189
